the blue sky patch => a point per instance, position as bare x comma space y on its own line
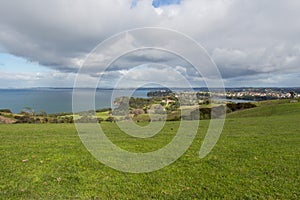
157, 3
13, 63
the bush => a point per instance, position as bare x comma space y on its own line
100, 119
137, 112
86, 119
6, 111
25, 119
240, 106
104, 110
110, 119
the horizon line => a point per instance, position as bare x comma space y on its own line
112, 88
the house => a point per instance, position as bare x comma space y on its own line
167, 101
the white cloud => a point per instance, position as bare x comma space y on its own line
244, 37
33, 79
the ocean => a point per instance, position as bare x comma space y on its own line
55, 100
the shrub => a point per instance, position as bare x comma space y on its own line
104, 110
240, 106
100, 119
110, 119
86, 119
6, 111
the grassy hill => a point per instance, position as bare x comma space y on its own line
256, 157
269, 108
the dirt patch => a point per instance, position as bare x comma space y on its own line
5, 120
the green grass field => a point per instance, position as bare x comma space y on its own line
257, 157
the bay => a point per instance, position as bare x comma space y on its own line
56, 100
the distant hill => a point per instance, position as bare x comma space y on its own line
269, 108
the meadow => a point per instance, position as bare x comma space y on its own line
256, 157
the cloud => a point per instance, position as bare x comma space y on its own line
245, 38
143, 75
33, 79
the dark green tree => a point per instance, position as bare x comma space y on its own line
293, 94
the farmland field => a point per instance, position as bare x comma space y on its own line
257, 157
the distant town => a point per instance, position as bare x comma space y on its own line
259, 94
247, 94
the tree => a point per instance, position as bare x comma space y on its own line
28, 111
137, 112
293, 94
42, 113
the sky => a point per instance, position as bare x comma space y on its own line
254, 43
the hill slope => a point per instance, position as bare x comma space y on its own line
256, 157
267, 109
